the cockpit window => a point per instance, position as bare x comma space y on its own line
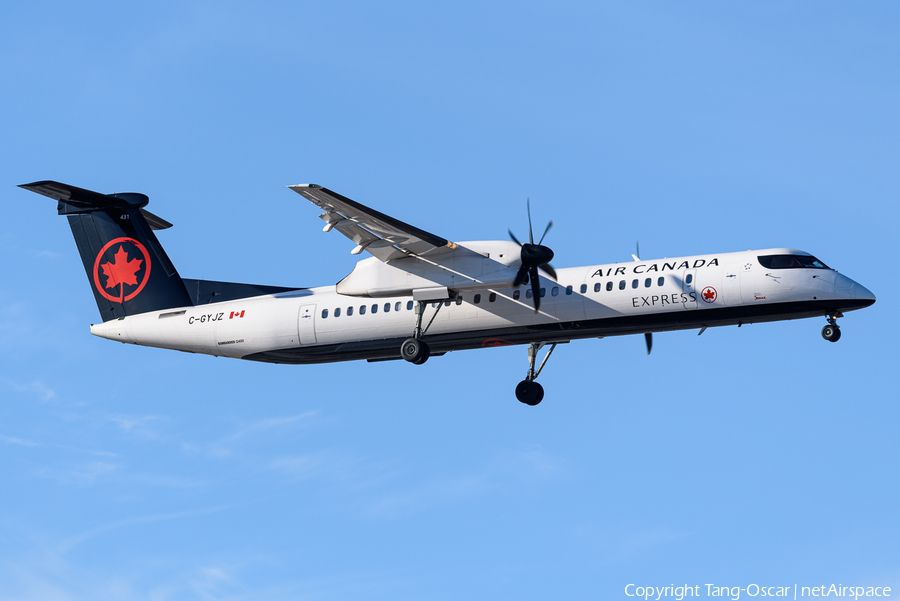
791, 262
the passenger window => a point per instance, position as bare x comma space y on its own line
477, 299
516, 294
446, 303
324, 313
647, 282
660, 281
543, 292
608, 286
528, 293
492, 297
554, 291
349, 311
374, 308
409, 305
337, 312
459, 300
597, 287
621, 284
397, 306
387, 307
584, 288
362, 309
689, 278
634, 283
568, 290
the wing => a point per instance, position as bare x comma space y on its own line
383, 236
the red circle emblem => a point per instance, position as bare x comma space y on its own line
494, 342
122, 269
709, 295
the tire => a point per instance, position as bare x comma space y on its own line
831, 333
414, 351
425, 353
530, 393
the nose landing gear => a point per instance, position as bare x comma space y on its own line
832, 332
528, 391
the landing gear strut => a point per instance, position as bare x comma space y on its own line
414, 349
832, 332
528, 391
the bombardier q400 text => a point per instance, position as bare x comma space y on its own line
420, 295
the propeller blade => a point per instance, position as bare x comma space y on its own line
530, 232
648, 336
514, 239
535, 288
549, 225
521, 276
548, 268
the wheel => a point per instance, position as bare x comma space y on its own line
831, 333
414, 351
425, 353
530, 393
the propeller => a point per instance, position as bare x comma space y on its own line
534, 257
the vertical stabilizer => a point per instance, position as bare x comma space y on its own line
127, 268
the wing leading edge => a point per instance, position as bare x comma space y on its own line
381, 235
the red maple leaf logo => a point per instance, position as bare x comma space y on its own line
709, 295
121, 271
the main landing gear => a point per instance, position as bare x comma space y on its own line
832, 332
414, 349
528, 391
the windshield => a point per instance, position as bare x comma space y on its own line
791, 262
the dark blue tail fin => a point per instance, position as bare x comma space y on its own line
127, 268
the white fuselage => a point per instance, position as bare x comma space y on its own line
321, 325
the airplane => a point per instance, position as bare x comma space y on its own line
420, 295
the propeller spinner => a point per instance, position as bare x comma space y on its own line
534, 257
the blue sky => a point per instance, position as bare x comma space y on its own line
754, 455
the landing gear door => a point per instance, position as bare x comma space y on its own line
689, 289
307, 324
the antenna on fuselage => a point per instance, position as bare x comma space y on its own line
648, 336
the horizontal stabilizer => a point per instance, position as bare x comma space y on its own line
155, 222
74, 200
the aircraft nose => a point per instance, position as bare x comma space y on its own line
860, 292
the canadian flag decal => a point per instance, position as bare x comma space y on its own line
236, 314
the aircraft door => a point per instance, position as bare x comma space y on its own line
689, 284
731, 284
306, 325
